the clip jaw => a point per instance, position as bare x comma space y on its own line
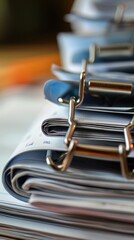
91, 151
113, 50
107, 87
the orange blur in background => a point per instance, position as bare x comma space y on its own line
28, 45
29, 70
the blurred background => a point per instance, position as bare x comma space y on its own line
28, 47
28, 29
32, 20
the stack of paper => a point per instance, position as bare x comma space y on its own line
75, 165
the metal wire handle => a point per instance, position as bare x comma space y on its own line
80, 98
119, 13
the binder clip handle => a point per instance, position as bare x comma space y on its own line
80, 98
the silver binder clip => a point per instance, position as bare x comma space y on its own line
99, 87
74, 148
113, 50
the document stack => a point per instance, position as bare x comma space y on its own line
75, 166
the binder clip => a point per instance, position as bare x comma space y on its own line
100, 93
111, 51
74, 148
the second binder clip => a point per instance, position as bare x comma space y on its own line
74, 148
